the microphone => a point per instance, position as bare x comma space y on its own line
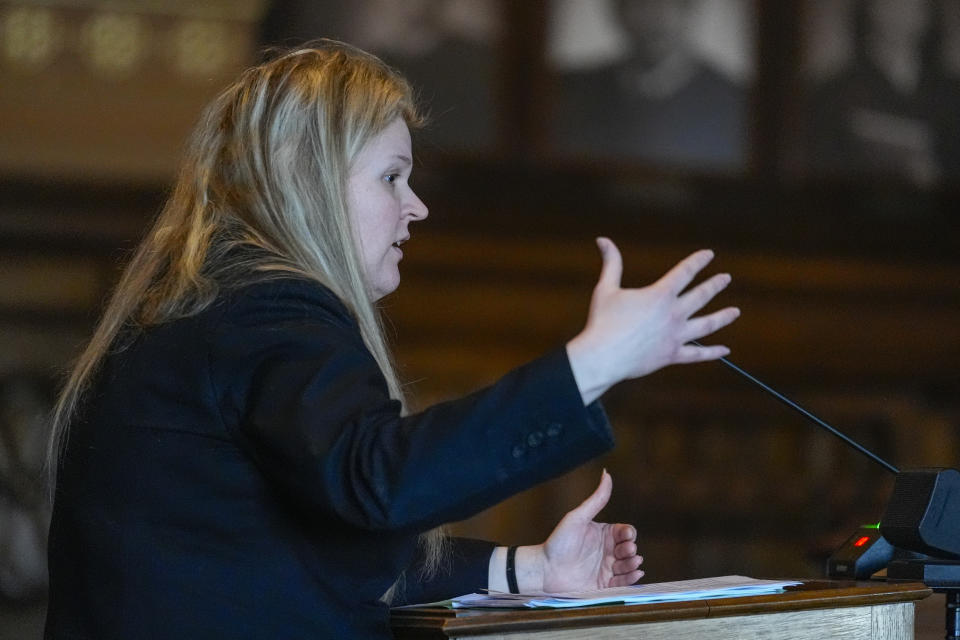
923, 514
919, 537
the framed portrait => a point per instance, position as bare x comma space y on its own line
881, 90
661, 82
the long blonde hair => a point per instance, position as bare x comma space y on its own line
261, 193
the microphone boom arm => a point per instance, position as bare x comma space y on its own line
796, 407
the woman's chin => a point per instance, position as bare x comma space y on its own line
384, 288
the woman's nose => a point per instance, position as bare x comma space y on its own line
415, 208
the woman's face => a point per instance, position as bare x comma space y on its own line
382, 205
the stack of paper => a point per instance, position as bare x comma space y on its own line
700, 589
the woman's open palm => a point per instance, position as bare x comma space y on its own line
582, 554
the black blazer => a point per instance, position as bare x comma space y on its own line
243, 473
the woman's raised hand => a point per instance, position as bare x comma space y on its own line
633, 332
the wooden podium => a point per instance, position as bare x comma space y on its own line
815, 609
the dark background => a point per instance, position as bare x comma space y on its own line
847, 276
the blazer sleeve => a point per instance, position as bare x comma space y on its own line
467, 572
306, 400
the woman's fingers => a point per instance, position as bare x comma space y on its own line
623, 533
679, 277
698, 297
626, 572
612, 270
689, 353
625, 550
705, 325
625, 580
627, 565
594, 504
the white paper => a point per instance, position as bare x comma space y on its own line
698, 589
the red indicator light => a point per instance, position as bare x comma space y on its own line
861, 541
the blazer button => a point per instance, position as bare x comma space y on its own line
554, 429
518, 450
535, 438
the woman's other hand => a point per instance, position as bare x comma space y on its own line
580, 554
633, 332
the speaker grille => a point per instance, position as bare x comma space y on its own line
911, 496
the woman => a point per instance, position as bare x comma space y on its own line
233, 456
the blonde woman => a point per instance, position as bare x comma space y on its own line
232, 454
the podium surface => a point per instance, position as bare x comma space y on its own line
814, 609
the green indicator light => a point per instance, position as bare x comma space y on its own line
870, 526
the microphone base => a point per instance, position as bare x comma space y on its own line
862, 555
939, 575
